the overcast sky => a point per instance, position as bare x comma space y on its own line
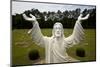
20, 7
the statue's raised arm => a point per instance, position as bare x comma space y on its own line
37, 36
33, 18
78, 32
83, 18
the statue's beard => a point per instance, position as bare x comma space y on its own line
58, 34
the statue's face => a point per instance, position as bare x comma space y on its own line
58, 29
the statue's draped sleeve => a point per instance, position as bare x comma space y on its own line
37, 36
77, 35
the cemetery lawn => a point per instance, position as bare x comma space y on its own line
22, 44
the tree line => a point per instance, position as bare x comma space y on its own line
47, 19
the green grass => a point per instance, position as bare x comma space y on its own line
22, 44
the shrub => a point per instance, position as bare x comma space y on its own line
80, 52
34, 55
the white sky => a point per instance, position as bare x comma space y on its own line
20, 7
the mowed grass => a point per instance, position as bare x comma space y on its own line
22, 44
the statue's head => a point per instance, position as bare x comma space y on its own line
58, 30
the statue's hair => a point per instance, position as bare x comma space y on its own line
62, 31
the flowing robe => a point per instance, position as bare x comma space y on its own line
55, 52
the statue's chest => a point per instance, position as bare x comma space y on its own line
59, 45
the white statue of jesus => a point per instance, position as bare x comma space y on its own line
55, 46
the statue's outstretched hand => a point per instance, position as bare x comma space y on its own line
83, 18
33, 18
